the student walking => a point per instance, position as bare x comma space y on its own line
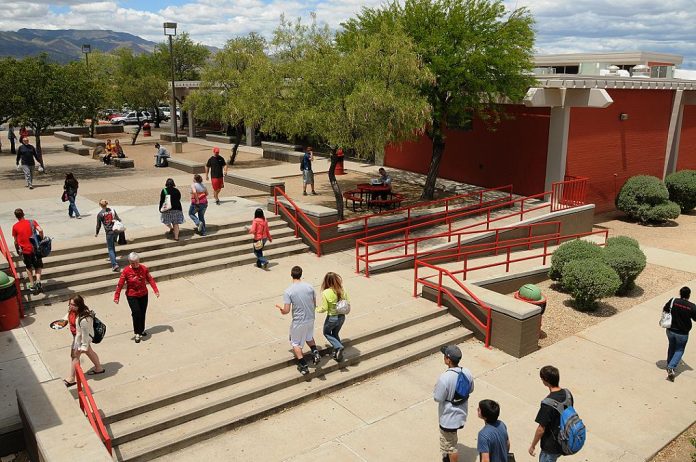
81, 321
199, 204
70, 187
493, 443
106, 218
25, 158
307, 172
332, 292
548, 418
301, 299
259, 229
216, 169
683, 313
136, 276
452, 408
21, 232
172, 215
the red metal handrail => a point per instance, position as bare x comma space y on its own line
313, 234
568, 193
5, 251
89, 407
441, 289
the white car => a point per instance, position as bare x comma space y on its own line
131, 118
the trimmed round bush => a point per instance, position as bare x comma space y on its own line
589, 280
646, 199
571, 251
622, 240
682, 189
627, 261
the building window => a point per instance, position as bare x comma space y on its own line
566, 69
659, 72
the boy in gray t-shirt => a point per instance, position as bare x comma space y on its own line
300, 297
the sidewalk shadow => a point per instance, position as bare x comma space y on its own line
467, 454
154, 330
683, 366
111, 368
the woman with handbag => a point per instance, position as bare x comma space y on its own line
70, 193
108, 218
333, 293
172, 214
81, 320
199, 204
259, 229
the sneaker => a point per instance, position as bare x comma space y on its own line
30, 287
316, 357
303, 369
31, 187
265, 265
116, 269
670, 375
137, 338
338, 354
200, 227
314, 193
304, 193
217, 202
79, 217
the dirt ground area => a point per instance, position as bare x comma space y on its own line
681, 449
677, 235
561, 320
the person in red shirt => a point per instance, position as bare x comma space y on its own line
136, 277
21, 232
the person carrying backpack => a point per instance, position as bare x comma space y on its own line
452, 392
82, 339
560, 430
24, 232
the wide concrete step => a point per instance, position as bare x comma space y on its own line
163, 431
232, 245
55, 295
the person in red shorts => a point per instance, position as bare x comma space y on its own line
21, 231
217, 168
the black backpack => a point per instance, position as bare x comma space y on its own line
42, 247
99, 329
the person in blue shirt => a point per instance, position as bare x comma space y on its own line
307, 172
493, 442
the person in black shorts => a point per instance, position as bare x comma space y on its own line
21, 232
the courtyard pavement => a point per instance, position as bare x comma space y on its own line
212, 321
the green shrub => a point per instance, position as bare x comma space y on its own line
682, 188
622, 240
627, 261
589, 280
571, 251
646, 199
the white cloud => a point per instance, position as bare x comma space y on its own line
562, 26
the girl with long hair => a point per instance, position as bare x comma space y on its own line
70, 187
332, 292
82, 337
259, 229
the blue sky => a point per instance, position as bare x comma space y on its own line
563, 26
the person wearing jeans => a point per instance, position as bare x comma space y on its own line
683, 313
70, 187
136, 277
25, 158
199, 204
106, 218
259, 229
332, 292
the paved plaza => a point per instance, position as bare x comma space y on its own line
214, 324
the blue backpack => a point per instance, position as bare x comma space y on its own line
572, 432
462, 390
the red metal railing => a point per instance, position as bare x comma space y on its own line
5, 251
313, 232
429, 263
89, 407
573, 187
411, 245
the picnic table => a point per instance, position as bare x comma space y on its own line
377, 195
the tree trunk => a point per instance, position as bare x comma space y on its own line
438, 149
334, 185
91, 126
238, 131
37, 137
137, 131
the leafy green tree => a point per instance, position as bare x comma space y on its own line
478, 52
228, 91
9, 101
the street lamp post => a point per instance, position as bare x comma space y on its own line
86, 50
170, 31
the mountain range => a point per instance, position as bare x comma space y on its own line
66, 45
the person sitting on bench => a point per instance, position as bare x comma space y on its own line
384, 180
161, 156
118, 150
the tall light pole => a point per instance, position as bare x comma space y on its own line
86, 50
170, 31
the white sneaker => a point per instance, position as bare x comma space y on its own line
200, 226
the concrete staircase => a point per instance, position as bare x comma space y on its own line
84, 268
185, 415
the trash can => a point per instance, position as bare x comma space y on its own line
339, 162
532, 294
147, 131
9, 308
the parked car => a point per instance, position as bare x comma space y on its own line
130, 118
166, 112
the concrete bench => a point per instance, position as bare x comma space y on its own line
67, 136
170, 138
93, 142
283, 155
76, 149
219, 138
190, 166
266, 185
122, 162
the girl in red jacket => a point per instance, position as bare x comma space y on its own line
259, 229
136, 277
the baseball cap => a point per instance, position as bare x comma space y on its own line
216, 150
452, 352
